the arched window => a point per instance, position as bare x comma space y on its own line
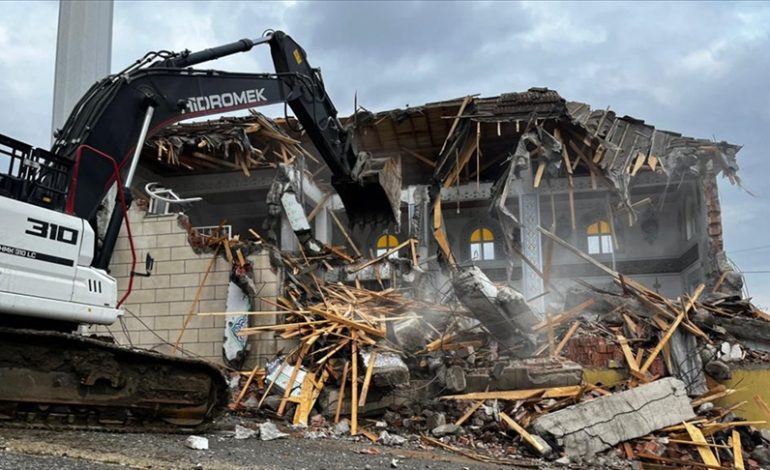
482, 244
385, 243
599, 238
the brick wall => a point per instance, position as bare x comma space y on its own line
163, 300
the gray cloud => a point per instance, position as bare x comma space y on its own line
696, 68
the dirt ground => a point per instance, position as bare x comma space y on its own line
83, 450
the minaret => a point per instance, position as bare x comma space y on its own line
83, 52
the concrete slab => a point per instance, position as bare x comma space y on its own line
591, 427
528, 373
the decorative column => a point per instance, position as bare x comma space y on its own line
529, 216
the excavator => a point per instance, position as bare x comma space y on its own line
54, 259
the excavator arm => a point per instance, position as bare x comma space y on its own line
109, 125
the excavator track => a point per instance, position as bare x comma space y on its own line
58, 380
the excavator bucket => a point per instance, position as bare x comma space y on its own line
375, 198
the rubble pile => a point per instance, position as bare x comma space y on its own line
382, 366
481, 373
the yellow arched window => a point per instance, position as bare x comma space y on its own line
385, 243
482, 244
599, 238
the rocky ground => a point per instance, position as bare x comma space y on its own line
82, 450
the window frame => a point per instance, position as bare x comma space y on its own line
391, 241
599, 242
485, 245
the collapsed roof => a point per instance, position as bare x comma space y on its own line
538, 129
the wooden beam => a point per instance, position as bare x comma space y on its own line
379, 258
419, 157
354, 386
341, 395
705, 452
630, 359
318, 207
662, 343
456, 121
762, 406
367, 378
345, 234
246, 386
539, 174
737, 451
352, 324
555, 392
292, 378
476, 405
578, 253
566, 338
523, 433
196, 300
557, 320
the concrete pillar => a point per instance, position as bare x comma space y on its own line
323, 227
83, 52
529, 216
288, 239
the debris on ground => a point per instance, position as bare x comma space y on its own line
197, 443
269, 431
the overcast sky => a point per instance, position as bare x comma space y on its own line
696, 68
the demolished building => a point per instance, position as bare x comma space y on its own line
640, 200
537, 240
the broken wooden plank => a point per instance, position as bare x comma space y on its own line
705, 452
246, 386
646, 366
679, 462
523, 433
476, 405
341, 395
290, 384
367, 378
578, 252
561, 318
379, 258
345, 234
555, 392
354, 386
737, 451
419, 157
196, 300
566, 338
241, 259
456, 121
762, 406
630, 359
328, 315
228, 251
551, 335
318, 207
710, 396
539, 174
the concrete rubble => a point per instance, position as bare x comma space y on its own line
197, 443
588, 428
